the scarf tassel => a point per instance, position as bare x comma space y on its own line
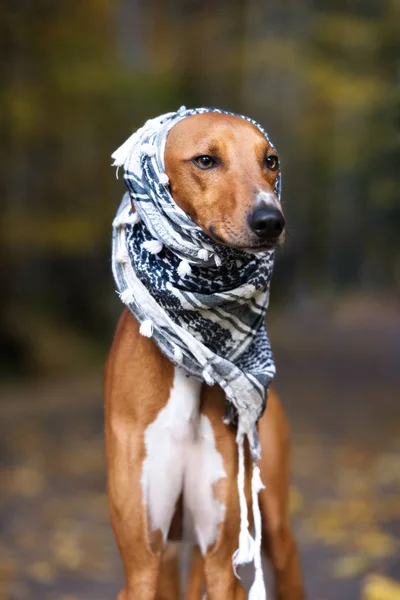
120, 221
153, 246
122, 154
208, 378
148, 149
127, 296
132, 219
163, 179
257, 590
249, 549
122, 256
146, 328
184, 268
245, 552
178, 355
203, 254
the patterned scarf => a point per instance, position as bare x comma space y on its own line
203, 303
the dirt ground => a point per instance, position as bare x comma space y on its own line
339, 379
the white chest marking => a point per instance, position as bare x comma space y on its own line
181, 456
204, 467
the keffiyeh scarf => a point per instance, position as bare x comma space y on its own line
203, 303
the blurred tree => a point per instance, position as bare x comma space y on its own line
77, 78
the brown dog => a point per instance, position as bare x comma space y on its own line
222, 173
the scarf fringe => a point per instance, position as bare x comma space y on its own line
122, 256
207, 377
148, 149
249, 549
153, 246
163, 179
184, 268
122, 154
132, 219
127, 296
146, 328
203, 254
118, 222
245, 552
178, 354
121, 221
257, 591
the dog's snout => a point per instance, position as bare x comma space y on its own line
267, 222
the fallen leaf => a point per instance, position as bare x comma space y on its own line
41, 571
376, 544
349, 566
27, 481
377, 587
296, 501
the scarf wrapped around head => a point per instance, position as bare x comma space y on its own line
203, 303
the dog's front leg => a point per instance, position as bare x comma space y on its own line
278, 539
137, 385
211, 496
128, 517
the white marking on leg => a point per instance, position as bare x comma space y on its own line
204, 468
181, 456
166, 442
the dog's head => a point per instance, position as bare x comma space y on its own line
222, 173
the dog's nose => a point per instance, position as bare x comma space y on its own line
267, 222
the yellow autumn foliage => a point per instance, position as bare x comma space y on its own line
377, 587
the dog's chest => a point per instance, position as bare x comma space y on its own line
181, 456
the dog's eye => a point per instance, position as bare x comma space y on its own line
204, 161
272, 162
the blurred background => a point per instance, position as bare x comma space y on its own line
76, 79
